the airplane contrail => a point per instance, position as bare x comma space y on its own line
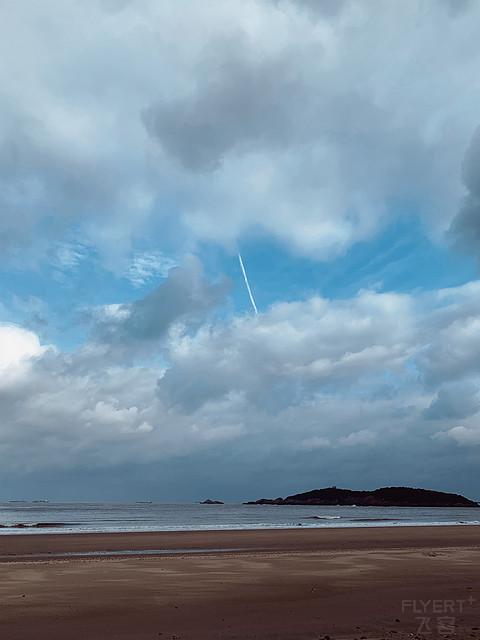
250, 294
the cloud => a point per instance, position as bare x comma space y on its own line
18, 347
277, 390
185, 296
69, 255
326, 8
292, 351
275, 112
454, 401
364, 436
241, 105
147, 265
315, 442
451, 332
465, 229
272, 118
464, 436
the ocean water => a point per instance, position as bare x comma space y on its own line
111, 517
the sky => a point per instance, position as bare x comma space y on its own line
143, 144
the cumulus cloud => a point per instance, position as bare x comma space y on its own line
273, 118
245, 103
292, 351
299, 380
362, 437
457, 400
60, 414
185, 296
465, 229
464, 436
451, 334
277, 112
19, 346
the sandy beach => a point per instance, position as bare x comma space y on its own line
387, 582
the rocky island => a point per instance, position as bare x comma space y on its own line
209, 501
384, 497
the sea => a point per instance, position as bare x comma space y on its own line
75, 517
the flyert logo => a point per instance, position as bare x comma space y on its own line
437, 616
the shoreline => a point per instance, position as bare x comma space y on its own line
373, 523
31, 546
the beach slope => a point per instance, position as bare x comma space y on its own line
389, 582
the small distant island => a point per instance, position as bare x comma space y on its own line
383, 497
209, 501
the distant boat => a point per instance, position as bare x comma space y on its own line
143, 502
40, 501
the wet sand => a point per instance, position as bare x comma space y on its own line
389, 582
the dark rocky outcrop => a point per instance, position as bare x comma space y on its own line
208, 501
384, 497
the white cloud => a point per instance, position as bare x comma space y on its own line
293, 350
17, 348
451, 334
299, 379
464, 436
264, 115
364, 436
314, 123
68, 255
148, 265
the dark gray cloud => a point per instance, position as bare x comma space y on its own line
465, 229
457, 7
316, 8
241, 102
185, 296
454, 401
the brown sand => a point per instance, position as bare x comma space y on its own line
390, 583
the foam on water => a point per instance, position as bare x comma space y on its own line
38, 518
117, 553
